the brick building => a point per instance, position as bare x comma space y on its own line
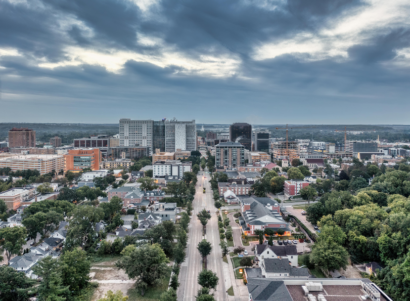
55, 141
237, 189
229, 155
33, 151
293, 187
14, 197
22, 138
78, 159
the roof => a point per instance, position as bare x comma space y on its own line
251, 174
253, 273
225, 144
53, 242
23, 262
315, 161
277, 265
229, 193
122, 189
374, 266
227, 184
231, 174
278, 250
268, 290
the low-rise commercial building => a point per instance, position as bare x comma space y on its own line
162, 156
182, 154
118, 163
254, 157
91, 175
33, 151
14, 197
237, 189
43, 163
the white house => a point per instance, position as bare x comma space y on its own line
285, 252
280, 267
91, 175
230, 197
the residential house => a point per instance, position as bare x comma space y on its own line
288, 252
313, 163
280, 267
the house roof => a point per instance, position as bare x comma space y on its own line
374, 266
53, 242
278, 250
23, 262
122, 189
277, 265
253, 273
268, 290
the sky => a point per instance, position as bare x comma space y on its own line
215, 61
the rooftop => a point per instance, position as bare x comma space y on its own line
16, 191
232, 144
31, 157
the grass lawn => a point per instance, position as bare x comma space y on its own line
225, 259
230, 243
247, 239
232, 254
152, 293
317, 272
236, 261
300, 207
238, 275
230, 291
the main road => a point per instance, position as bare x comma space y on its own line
192, 266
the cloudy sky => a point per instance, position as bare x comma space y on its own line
216, 61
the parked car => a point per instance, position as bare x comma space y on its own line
285, 242
316, 227
303, 212
280, 242
295, 242
245, 252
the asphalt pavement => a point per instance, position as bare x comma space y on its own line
191, 267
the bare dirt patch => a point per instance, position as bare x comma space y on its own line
351, 272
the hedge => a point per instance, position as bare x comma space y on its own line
131, 211
311, 235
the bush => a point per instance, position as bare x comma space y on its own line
226, 222
238, 250
219, 218
221, 230
222, 236
277, 200
220, 225
175, 269
237, 214
131, 211
228, 235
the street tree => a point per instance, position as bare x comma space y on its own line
12, 241
204, 216
205, 298
208, 279
294, 173
15, 285
174, 282
169, 295
147, 264
204, 248
224, 248
179, 253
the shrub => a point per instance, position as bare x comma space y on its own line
221, 230
237, 214
131, 211
222, 236
311, 235
238, 250
175, 269
220, 225
228, 235
219, 218
246, 262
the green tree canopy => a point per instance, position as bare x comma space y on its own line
15, 285
208, 279
147, 183
295, 174
12, 241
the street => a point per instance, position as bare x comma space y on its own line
192, 265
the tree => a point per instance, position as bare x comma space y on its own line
208, 279
205, 297
342, 185
174, 282
277, 184
204, 248
203, 217
3, 207
296, 162
169, 295
224, 248
343, 175
149, 173
308, 193
182, 237
238, 250
315, 212
45, 188
51, 287
75, 270
329, 255
184, 221
12, 241
134, 225
111, 208
147, 183
358, 183
147, 264
295, 174
14, 285
218, 205
179, 253
81, 229
305, 170
110, 296
270, 241
195, 169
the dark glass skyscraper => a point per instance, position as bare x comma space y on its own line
159, 136
242, 133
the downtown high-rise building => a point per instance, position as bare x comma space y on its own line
260, 140
165, 135
241, 133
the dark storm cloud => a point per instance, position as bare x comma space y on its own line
238, 25
33, 32
382, 47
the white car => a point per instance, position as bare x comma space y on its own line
245, 252
295, 242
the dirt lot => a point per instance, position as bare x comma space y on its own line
109, 278
351, 272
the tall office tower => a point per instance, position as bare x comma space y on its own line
242, 133
260, 139
159, 136
136, 133
22, 138
180, 135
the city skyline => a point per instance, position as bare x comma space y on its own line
278, 62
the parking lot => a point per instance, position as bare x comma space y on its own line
301, 217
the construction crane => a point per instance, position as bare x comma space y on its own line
287, 133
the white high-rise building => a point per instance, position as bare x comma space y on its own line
136, 132
180, 135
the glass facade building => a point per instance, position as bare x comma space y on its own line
241, 133
159, 136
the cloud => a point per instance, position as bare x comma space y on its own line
217, 61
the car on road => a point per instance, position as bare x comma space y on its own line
295, 242
245, 252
